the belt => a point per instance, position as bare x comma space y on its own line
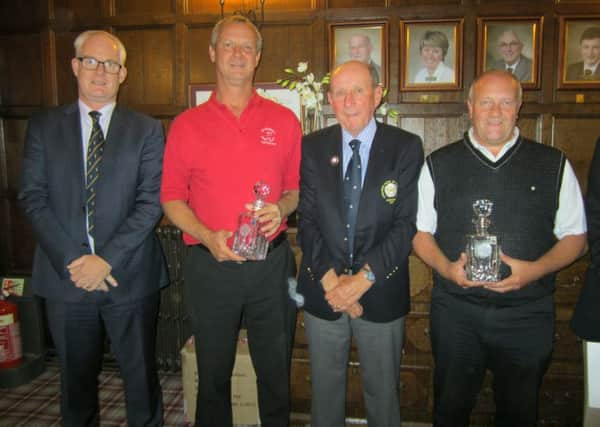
273, 244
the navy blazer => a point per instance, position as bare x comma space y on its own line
53, 197
385, 225
586, 316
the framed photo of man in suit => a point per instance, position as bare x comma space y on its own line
512, 44
365, 41
431, 55
579, 52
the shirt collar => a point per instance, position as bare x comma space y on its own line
365, 136
487, 153
106, 114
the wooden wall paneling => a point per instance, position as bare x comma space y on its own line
528, 126
66, 81
332, 4
15, 227
421, 282
68, 11
577, 136
285, 46
22, 70
415, 397
231, 6
144, 7
417, 342
201, 70
22, 16
436, 131
181, 70
48, 64
150, 65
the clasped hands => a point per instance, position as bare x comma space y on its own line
343, 292
91, 273
523, 272
269, 216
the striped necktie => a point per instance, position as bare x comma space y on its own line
94, 158
352, 190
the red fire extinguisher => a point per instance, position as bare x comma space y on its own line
11, 352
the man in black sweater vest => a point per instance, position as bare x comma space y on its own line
505, 326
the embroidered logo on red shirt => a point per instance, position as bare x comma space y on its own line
267, 136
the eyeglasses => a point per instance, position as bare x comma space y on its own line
91, 63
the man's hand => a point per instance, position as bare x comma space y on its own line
269, 216
348, 291
329, 281
91, 273
455, 271
216, 242
523, 272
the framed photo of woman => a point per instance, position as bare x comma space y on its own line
431, 55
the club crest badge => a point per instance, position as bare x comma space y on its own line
389, 191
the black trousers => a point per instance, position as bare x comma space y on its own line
78, 330
217, 295
514, 343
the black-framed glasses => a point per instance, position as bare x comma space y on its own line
91, 63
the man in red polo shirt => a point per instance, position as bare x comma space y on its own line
215, 154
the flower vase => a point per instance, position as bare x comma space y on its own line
312, 120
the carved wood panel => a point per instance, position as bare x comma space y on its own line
21, 64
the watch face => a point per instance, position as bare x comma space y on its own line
370, 275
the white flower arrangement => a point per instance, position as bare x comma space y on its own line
309, 88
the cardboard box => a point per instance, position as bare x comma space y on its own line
244, 397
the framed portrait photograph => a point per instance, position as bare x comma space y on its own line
200, 92
579, 52
511, 44
431, 55
363, 41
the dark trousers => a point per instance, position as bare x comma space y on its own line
78, 330
514, 343
217, 295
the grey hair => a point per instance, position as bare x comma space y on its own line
86, 35
214, 36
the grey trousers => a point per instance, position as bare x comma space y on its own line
380, 353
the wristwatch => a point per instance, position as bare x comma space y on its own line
369, 275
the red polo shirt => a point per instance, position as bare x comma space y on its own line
213, 159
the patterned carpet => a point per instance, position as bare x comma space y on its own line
37, 404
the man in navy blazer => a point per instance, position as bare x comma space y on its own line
103, 279
356, 288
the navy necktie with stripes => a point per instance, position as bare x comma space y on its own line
352, 190
93, 160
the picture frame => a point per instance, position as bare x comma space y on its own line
365, 41
513, 44
579, 52
200, 92
431, 54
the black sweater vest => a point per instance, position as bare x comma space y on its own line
524, 186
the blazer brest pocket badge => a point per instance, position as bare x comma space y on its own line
389, 191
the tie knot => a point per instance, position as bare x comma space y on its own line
355, 144
95, 115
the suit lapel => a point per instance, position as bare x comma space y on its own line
335, 173
112, 147
372, 178
73, 149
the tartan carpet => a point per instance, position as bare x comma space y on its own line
37, 404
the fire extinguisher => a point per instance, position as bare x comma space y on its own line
11, 351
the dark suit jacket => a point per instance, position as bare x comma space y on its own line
523, 70
575, 73
385, 225
586, 317
53, 198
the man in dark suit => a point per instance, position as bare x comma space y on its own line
586, 317
90, 187
512, 59
588, 68
358, 201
